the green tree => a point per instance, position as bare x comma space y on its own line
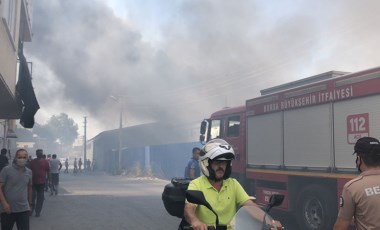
63, 129
59, 133
56, 136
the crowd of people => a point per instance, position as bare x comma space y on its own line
24, 181
89, 166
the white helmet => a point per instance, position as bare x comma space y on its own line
216, 149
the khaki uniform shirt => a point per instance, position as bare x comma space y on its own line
361, 199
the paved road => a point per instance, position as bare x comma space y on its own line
99, 201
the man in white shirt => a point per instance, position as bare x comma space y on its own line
55, 167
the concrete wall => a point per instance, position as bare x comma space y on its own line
8, 58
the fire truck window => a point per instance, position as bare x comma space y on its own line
216, 129
233, 126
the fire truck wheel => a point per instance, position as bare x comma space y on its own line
316, 208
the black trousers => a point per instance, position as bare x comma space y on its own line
38, 197
20, 218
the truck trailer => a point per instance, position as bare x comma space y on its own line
297, 139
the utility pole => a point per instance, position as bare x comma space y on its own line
84, 143
120, 131
120, 151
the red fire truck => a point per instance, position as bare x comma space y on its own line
297, 140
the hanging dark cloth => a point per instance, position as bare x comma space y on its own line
25, 92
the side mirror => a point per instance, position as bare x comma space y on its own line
203, 127
275, 200
197, 197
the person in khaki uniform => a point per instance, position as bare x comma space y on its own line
361, 196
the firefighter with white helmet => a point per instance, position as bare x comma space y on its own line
223, 193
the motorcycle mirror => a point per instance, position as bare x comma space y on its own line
197, 197
275, 200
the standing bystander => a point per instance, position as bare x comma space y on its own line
40, 169
75, 165
3, 159
16, 193
66, 166
88, 165
192, 169
80, 164
28, 162
55, 168
48, 158
361, 196
93, 164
